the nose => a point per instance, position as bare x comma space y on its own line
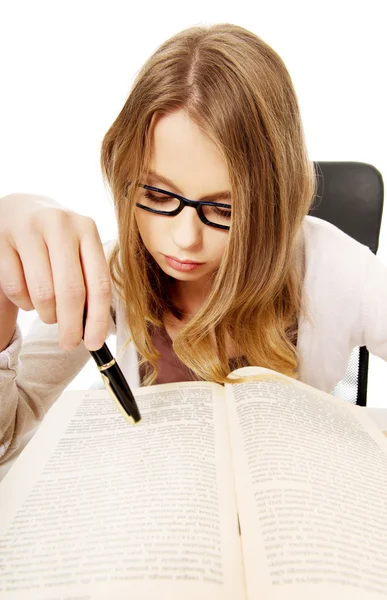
187, 229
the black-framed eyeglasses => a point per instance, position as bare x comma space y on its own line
162, 202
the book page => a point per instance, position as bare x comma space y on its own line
97, 508
311, 479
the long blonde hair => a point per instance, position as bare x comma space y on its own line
238, 90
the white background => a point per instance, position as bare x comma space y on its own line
67, 66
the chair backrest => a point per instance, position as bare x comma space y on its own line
350, 196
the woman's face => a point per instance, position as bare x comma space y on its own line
185, 161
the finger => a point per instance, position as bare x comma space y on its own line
69, 286
38, 276
12, 280
98, 289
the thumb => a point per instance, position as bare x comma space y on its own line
8, 317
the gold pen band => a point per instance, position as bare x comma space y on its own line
107, 365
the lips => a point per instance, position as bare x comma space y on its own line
178, 265
184, 262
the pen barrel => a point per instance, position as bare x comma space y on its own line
117, 381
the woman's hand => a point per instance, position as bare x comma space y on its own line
51, 260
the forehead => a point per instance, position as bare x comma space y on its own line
184, 154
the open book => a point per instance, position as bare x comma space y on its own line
264, 490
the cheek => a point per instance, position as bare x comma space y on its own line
149, 227
217, 243
143, 224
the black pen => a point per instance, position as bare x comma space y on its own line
115, 382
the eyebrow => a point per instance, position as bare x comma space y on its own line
225, 195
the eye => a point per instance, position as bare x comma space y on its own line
225, 213
156, 197
160, 202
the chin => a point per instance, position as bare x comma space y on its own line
182, 276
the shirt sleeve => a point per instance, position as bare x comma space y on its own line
374, 307
34, 371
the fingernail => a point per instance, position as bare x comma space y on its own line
93, 343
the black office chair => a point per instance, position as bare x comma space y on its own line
350, 196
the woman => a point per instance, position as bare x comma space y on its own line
216, 263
